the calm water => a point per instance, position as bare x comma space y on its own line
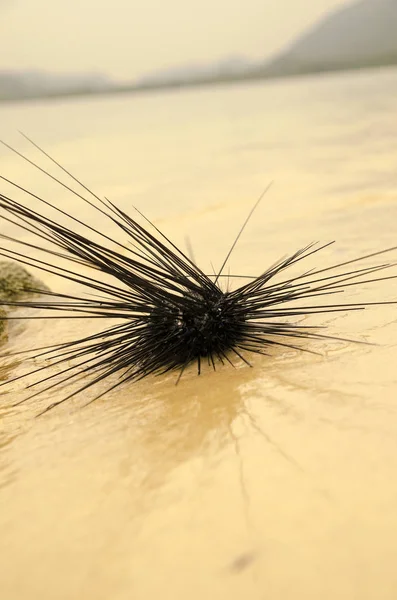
276, 482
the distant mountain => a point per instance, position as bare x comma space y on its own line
361, 34
232, 66
34, 84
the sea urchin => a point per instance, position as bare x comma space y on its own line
164, 311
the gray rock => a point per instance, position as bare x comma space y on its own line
15, 284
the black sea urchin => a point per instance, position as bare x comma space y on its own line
165, 311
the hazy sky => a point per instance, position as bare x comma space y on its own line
126, 38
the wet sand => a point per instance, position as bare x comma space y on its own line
276, 481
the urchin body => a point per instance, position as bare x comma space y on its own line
195, 327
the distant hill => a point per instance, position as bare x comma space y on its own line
232, 66
359, 35
362, 34
36, 84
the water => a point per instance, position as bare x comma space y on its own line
273, 482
